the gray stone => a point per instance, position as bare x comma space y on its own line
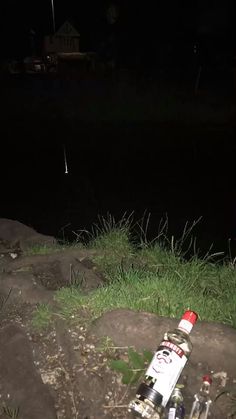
14, 231
21, 385
214, 349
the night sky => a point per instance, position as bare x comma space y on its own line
172, 165
145, 24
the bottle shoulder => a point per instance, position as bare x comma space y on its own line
179, 338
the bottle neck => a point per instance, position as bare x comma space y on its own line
185, 326
205, 389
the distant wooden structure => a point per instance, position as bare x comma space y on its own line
61, 52
64, 40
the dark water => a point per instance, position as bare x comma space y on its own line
184, 170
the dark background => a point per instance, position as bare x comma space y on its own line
181, 166
140, 27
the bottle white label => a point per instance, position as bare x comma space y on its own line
185, 326
165, 368
172, 412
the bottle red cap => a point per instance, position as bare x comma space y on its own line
190, 316
207, 378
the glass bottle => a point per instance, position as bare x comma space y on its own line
202, 400
176, 408
164, 370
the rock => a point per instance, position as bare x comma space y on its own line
14, 231
213, 349
20, 384
23, 288
59, 269
32, 280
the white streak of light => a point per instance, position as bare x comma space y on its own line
65, 161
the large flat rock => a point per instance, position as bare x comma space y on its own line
214, 349
21, 385
14, 231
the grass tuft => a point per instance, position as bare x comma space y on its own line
46, 249
43, 249
42, 317
154, 277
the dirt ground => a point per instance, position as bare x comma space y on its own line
64, 371
61, 371
73, 366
